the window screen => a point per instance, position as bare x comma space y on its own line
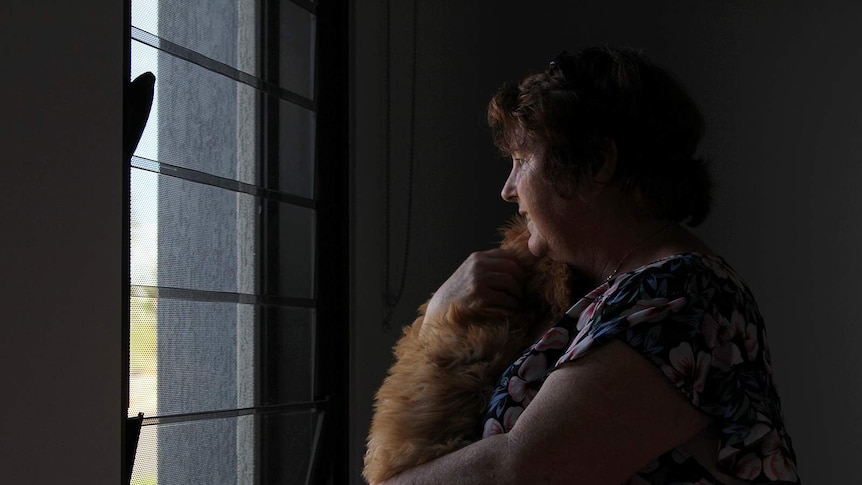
224, 238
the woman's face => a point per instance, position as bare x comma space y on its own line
538, 201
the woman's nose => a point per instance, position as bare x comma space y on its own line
509, 194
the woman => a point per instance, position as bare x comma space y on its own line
661, 374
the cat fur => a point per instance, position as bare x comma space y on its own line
434, 395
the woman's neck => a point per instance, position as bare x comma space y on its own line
671, 239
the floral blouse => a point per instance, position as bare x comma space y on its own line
693, 318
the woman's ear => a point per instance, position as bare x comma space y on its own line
605, 173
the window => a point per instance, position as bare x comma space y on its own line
238, 254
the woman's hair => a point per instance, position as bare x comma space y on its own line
584, 105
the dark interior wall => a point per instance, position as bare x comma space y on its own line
61, 215
778, 83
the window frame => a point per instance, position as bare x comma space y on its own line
329, 462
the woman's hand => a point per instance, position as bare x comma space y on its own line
488, 279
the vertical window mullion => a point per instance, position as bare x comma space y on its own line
333, 191
269, 230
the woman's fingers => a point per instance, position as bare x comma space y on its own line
491, 279
488, 276
499, 289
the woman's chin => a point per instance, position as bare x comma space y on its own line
537, 248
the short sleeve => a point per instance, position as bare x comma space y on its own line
698, 324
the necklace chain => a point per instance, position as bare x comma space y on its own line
635, 248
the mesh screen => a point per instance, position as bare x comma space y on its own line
145, 59
296, 132
206, 237
296, 235
203, 343
143, 361
221, 30
293, 435
200, 358
208, 125
220, 451
206, 356
144, 242
296, 59
205, 121
288, 360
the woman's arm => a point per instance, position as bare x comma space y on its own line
596, 420
445, 363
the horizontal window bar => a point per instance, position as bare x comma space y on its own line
213, 65
140, 291
220, 182
234, 413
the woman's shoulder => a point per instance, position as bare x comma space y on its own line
666, 303
680, 264
694, 275
695, 319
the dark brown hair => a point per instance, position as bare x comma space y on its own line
584, 102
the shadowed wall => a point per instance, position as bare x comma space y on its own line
777, 84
